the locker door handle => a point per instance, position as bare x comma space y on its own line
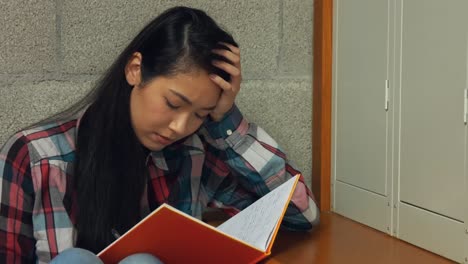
465, 105
386, 95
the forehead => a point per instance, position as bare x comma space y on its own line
195, 86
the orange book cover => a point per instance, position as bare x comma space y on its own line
176, 237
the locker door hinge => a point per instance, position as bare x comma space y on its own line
386, 95
465, 103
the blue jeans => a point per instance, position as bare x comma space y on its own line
83, 256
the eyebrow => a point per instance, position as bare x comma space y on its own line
185, 99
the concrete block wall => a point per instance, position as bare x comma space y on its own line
52, 51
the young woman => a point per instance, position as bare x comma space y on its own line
161, 126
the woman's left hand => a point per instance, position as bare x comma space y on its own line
230, 89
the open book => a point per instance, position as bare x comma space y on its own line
176, 237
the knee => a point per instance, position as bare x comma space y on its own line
76, 255
141, 258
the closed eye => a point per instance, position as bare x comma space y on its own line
170, 105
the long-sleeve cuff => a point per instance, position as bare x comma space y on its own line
227, 126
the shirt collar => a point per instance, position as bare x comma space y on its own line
159, 160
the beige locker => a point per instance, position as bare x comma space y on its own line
399, 119
361, 153
432, 77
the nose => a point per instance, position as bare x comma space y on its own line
179, 124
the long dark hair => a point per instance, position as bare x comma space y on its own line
110, 172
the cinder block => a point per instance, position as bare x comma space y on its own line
296, 44
284, 110
23, 104
7, 79
27, 36
94, 32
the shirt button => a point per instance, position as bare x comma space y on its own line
229, 132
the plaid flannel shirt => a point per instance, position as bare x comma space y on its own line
227, 164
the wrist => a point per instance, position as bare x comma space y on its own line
217, 117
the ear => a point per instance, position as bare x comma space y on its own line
133, 69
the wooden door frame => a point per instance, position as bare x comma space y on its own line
322, 102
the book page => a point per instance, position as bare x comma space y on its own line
255, 224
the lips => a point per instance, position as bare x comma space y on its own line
162, 139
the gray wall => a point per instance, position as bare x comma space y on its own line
51, 52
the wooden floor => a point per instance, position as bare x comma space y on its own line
340, 240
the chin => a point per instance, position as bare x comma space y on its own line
152, 146
155, 148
